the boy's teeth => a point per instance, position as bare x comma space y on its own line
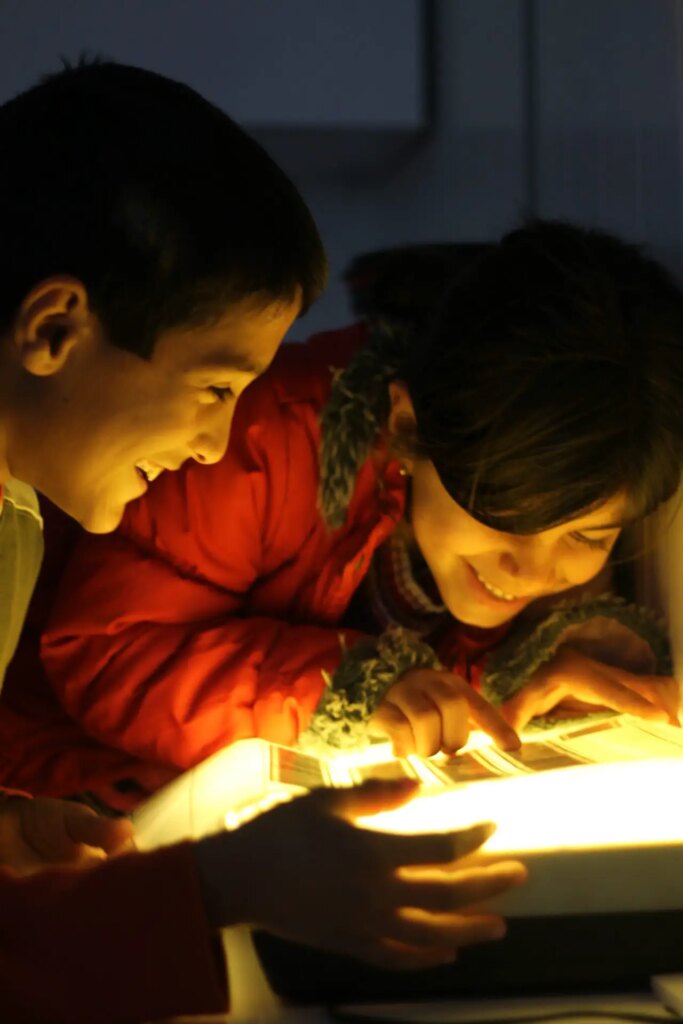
149, 471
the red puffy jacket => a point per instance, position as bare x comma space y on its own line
210, 615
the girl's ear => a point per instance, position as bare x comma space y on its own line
53, 318
401, 404
401, 424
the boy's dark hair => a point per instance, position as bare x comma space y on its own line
552, 379
152, 197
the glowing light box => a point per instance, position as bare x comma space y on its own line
595, 812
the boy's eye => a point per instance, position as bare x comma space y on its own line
602, 543
222, 393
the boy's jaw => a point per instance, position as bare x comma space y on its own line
100, 510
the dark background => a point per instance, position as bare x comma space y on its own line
416, 120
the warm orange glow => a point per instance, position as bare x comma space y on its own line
588, 807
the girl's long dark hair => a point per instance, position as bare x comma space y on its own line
548, 379
551, 379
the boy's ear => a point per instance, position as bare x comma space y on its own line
52, 319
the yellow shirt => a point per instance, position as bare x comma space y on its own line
21, 552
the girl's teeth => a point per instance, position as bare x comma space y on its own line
501, 595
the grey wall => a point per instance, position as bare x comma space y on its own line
566, 108
608, 116
560, 108
290, 63
463, 180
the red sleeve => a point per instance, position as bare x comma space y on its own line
127, 940
157, 644
141, 662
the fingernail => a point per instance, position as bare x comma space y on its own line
513, 872
485, 828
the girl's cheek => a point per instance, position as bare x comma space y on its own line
583, 569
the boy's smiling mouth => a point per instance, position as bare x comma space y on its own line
149, 471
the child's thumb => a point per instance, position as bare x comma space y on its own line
371, 797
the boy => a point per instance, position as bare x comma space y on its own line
152, 259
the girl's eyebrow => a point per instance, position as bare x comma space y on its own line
607, 526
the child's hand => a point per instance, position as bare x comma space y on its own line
427, 711
43, 832
572, 683
305, 872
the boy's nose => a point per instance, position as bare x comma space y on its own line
211, 445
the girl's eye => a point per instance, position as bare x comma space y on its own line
222, 393
602, 544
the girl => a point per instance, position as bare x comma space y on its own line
405, 516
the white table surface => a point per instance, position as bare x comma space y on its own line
253, 1002
464, 1011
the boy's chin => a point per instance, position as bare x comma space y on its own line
102, 518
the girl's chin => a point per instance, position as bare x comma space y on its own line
483, 614
483, 618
